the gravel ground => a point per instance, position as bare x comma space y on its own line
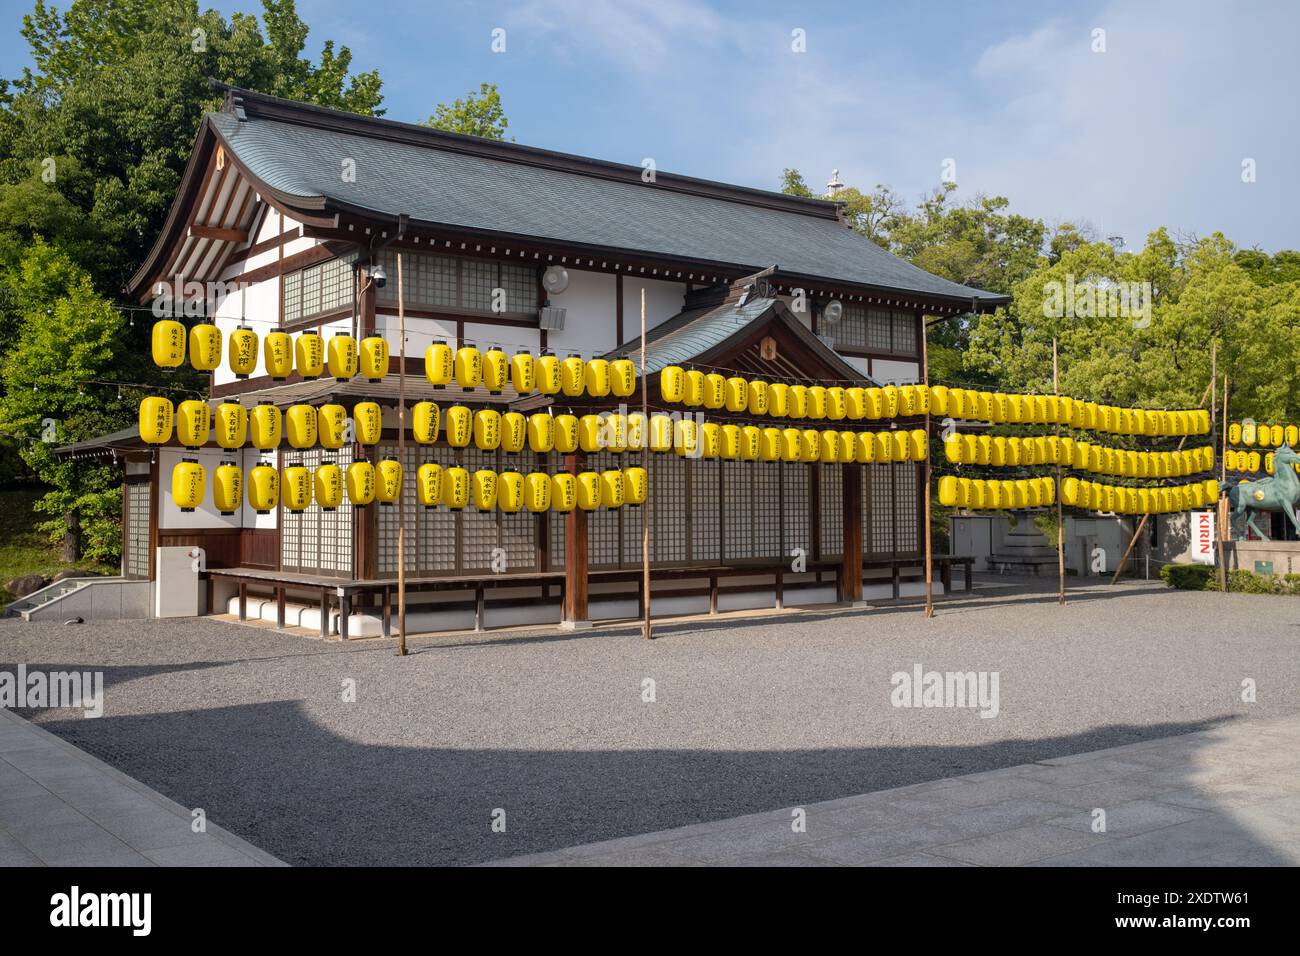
748, 716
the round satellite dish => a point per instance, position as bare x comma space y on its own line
555, 279
833, 311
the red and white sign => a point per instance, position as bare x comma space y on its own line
1202, 543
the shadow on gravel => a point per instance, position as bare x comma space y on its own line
278, 779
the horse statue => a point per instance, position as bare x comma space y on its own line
1278, 493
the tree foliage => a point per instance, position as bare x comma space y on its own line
478, 114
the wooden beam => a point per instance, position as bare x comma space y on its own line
216, 232
850, 583
575, 553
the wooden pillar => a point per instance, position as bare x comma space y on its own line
575, 556
850, 580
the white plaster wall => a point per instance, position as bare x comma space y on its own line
889, 371
591, 310
663, 300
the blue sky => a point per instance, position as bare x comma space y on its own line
1152, 131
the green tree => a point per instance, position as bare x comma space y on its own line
70, 341
115, 96
793, 184
478, 114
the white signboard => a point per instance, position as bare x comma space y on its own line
1202, 543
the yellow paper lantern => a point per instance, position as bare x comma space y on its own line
756, 397
468, 367
231, 424
750, 439
589, 437
564, 492
612, 491
521, 373
510, 491
737, 394
836, 404
715, 391
277, 354
361, 483
549, 377
428, 484
372, 359
300, 426
686, 437
810, 448
389, 478
596, 378
329, 486
205, 347
672, 384
483, 489
425, 420
816, 402
455, 488
537, 492
790, 444
459, 427
710, 440
295, 487
573, 377
566, 434
588, 488
875, 402
487, 429
541, 432
243, 351
637, 428
778, 399
367, 422
193, 423
156, 418
615, 432
341, 357
636, 484
694, 396
168, 344
769, 446
730, 442
187, 484
439, 364
496, 370
309, 355
263, 488
622, 377
514, 432
227, 488
828, 444
331, 426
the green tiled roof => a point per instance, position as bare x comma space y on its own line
528, 194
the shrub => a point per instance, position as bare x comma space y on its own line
1248, 582
1189, 577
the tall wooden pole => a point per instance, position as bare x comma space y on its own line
929, 560
645, 464
1060, 517
1223, 526
401, 457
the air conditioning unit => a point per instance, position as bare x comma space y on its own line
550, 318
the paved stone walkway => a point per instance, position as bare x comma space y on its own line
1229, 796
59, 806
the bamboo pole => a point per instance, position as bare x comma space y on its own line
1060, 517
929, 560
1146, 517
1223, 528
645, 464
401, 457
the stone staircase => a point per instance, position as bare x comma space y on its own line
90, 598
1023, 550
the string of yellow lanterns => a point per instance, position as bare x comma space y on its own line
1250, 462
1014, 450
1135, 501
994, 495
1262, 436
779, 400
306, 426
